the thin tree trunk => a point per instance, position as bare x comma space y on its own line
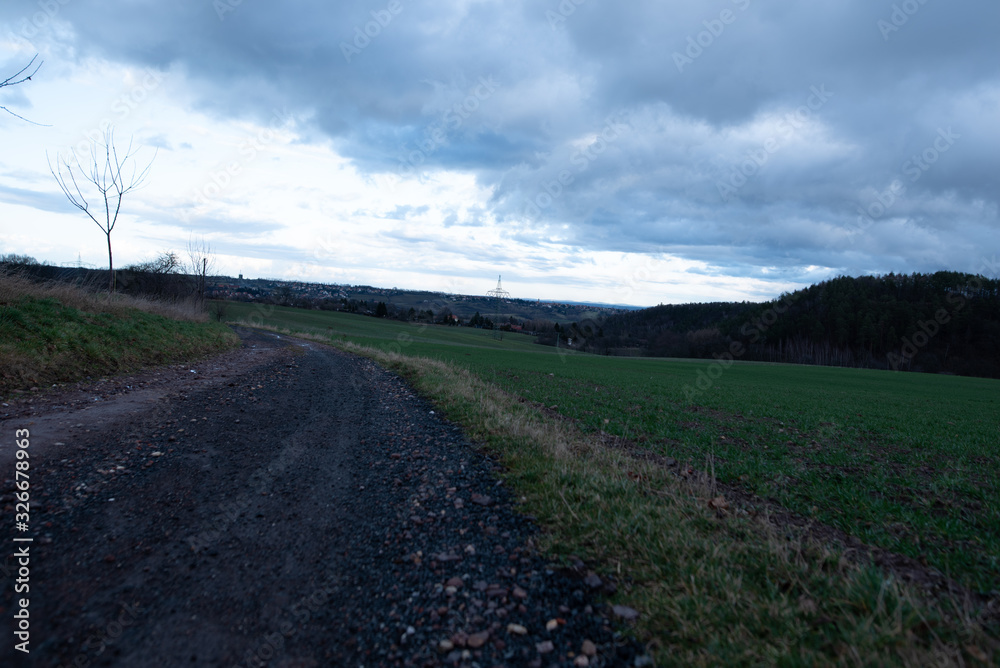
111, 269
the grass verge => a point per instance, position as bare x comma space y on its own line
712, 588
55, 333
905, 462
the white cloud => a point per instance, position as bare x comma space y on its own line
287, 157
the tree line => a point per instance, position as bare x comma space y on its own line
946, 322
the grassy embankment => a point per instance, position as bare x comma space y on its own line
907, 462
56, 333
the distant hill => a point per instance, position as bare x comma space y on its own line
365, 298
944, 322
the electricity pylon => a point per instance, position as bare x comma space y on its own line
499, 295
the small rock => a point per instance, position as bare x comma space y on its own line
481, 499
445, 646
544, 647
156, 454
977, 653
588, 648
519, 593
581, 661
477, 640
718, 503
517, 629
643, 661
625, 612
456, 582
593, 581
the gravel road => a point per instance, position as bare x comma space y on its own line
282, 505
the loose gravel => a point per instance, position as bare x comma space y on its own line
307, 510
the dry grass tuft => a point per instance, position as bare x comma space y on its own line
15, 286
53, 333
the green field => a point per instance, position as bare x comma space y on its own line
908, 462
52, 334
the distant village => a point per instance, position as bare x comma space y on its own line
476, 310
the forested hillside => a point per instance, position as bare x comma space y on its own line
942, 322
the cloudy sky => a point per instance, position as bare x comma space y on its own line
628, 152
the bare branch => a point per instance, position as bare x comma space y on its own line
10, 81
107, 176
13, 81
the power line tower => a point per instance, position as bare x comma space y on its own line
498, 295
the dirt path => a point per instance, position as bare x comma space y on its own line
285, 505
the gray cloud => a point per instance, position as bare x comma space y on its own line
618, 127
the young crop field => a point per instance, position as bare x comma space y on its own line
904, 462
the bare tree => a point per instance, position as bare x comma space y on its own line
109, 176
22, 75
167, 262
219, 309
161, 277
201, 261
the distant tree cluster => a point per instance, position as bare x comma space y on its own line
14, 259
283, 296
942, 322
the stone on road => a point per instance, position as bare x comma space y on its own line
300, 509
